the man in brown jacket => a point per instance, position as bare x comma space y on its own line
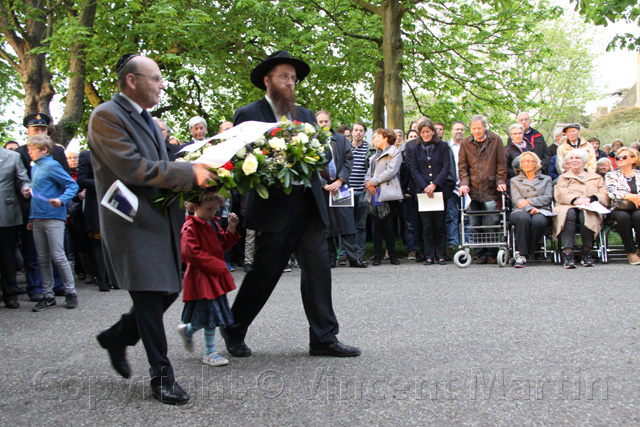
483, 176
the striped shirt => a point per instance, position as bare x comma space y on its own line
359, 169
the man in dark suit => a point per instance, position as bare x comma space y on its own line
127, 145
91, 217
336, 174
286, 224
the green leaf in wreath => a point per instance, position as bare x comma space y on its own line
262, 191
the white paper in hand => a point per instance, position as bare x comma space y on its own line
427, 204
236, 138
120, 200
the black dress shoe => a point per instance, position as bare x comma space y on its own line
117, 353
12, 304
81, 276
236, 348
335, 349
357, 264
394, 260
171, 394
421, 258
376, 261
332, 261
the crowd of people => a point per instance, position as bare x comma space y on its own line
409, 188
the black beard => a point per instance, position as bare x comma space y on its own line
285, 103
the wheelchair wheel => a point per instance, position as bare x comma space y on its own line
462, 259
502, 258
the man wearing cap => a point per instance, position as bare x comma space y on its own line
286, 224
569, 142
127, 145
37, 123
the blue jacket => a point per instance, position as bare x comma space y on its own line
50, 181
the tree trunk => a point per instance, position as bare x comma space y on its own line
74, 106
32, 68
378, 98
392, 51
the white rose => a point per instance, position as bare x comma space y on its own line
308, 128
250, 165
302, 137
315, 143
241, 153
222, 172
261, 140
277, 143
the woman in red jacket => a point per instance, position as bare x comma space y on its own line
207, 279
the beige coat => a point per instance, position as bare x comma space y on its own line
570, 186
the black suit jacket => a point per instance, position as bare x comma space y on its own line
86, 180
272, 214
342, 219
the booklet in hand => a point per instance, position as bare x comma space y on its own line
120, 200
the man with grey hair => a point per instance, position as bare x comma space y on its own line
126, 145
534, 141
172, 144
197, 128
557, 135
483, 176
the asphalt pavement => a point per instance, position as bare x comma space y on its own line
441, 345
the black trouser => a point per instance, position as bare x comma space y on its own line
434, 234
144, 321
383, 229
304, 235
627, 222
529, 229
8, 242
575, 218
349, 245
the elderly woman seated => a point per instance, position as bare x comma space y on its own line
578, 188
603, 166
623, 185
531, 193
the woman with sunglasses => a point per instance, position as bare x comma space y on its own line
624, 183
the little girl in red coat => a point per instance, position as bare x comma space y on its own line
207, 279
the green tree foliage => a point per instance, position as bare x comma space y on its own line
617, 117
467, 56
605, 12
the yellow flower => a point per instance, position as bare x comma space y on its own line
277, 143
250, 165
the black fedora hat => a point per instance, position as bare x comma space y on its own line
276, 58
36, 119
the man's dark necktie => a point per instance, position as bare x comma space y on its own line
147, 117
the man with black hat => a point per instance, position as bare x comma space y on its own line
127, 145
286, 224
569, 142
37, 123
